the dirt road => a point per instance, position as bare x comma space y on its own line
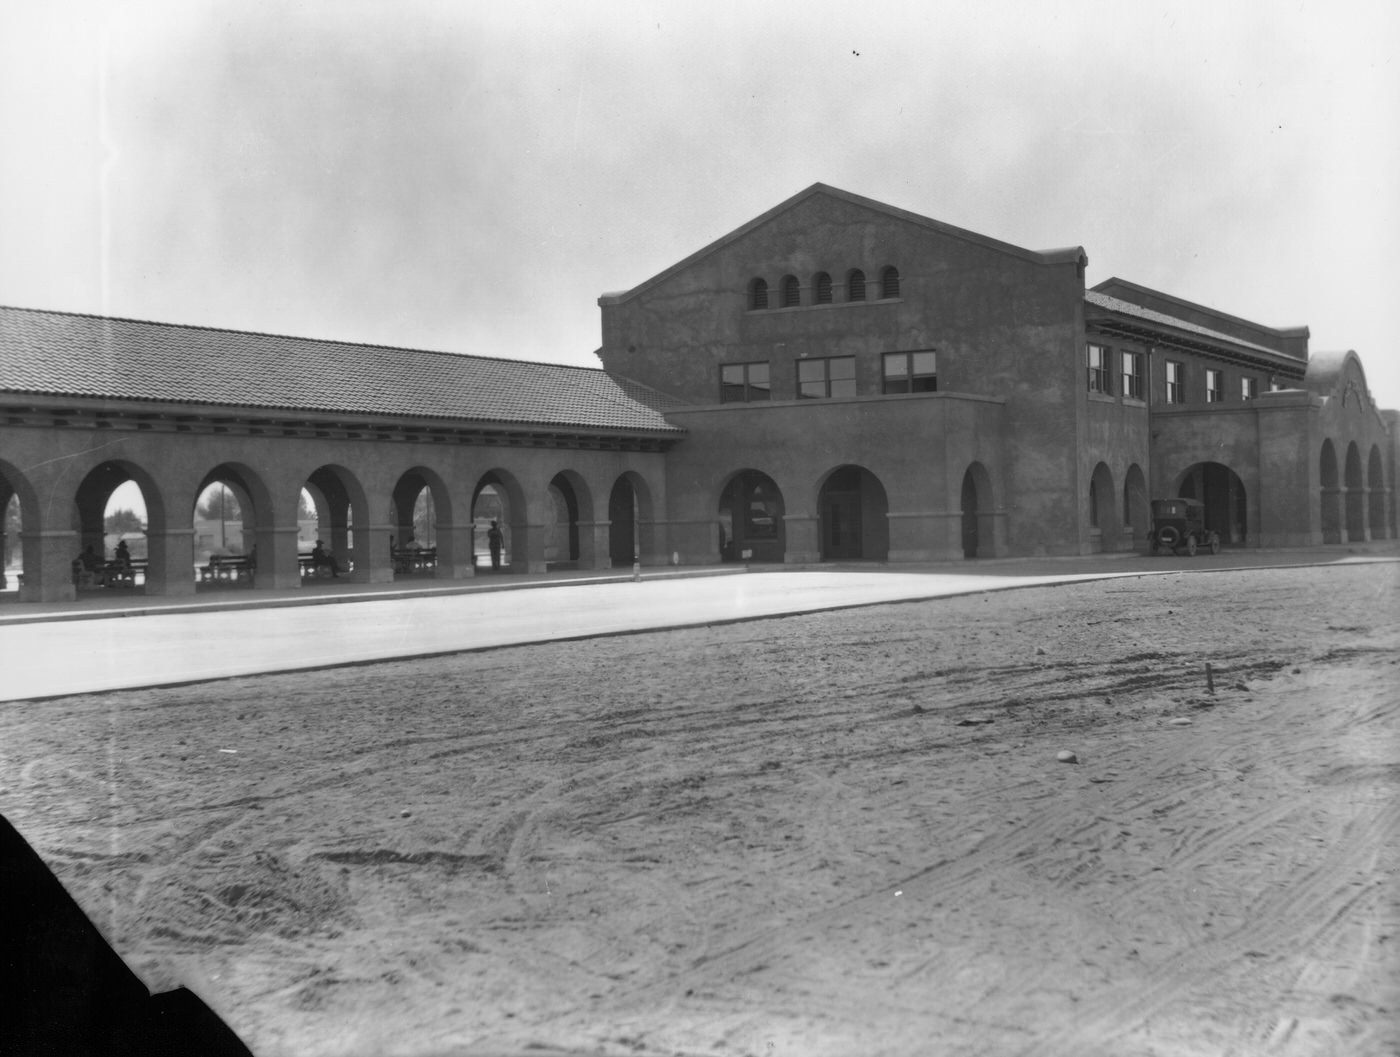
843, 833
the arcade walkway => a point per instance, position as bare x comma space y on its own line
94, 644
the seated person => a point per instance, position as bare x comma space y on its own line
324, 559
89, 568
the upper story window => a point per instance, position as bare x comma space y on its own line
855, 285
1176, 383
1215, 386
828, 377
911, 372
1132, 375
792, 292
1098, 369
821, 286
889, 282
758, 294
1249, 388
744, 383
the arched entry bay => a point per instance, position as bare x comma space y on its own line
751, 519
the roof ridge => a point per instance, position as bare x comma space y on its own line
207, 328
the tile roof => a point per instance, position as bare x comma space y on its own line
1127, 308
65, 354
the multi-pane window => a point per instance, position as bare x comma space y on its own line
889, 282
1176, 387
758, 294
1249, 388
822, 287
744, 383
911, 372
1215, 383
1098, 369
855, 285
830, 377
1132, 375
792, 292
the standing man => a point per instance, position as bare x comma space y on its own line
494, 540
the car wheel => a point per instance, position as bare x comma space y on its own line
1191, 546
1215, 544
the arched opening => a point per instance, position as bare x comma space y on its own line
1137, 506
1222, 492
624, 523
225, 530
1376, 497
853, 516
821, 288
498, 523
751, 519
561, 540
11, 547
1104, 526
110, 515
420, 502
758, 294
976, 506
336, 550
1355, 495
11, 544
1331, 494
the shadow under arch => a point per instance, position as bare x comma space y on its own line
420, 503
1222, 492
1103, 508
1330, 493
976, 504
1137, 505
16, 487
341, 503
571, 505
498, 496
751, 512
852, 516
1355, 495
1375, 495
90, 501
630, 520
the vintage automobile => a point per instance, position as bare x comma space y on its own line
1178, 523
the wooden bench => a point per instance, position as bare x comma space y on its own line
227, 568
118, 575
414, 559
311, 571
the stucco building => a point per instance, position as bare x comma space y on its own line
862, 382
836, 380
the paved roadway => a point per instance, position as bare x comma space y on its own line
78, 648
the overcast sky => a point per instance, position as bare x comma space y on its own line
471, 176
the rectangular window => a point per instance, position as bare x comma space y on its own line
1176, 389
1249, 388
911, 372
830, 377
1132, 375
1215, 382
1098, 370
744, 383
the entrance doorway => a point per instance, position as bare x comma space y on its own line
852, 512
751, 519
1222, 492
